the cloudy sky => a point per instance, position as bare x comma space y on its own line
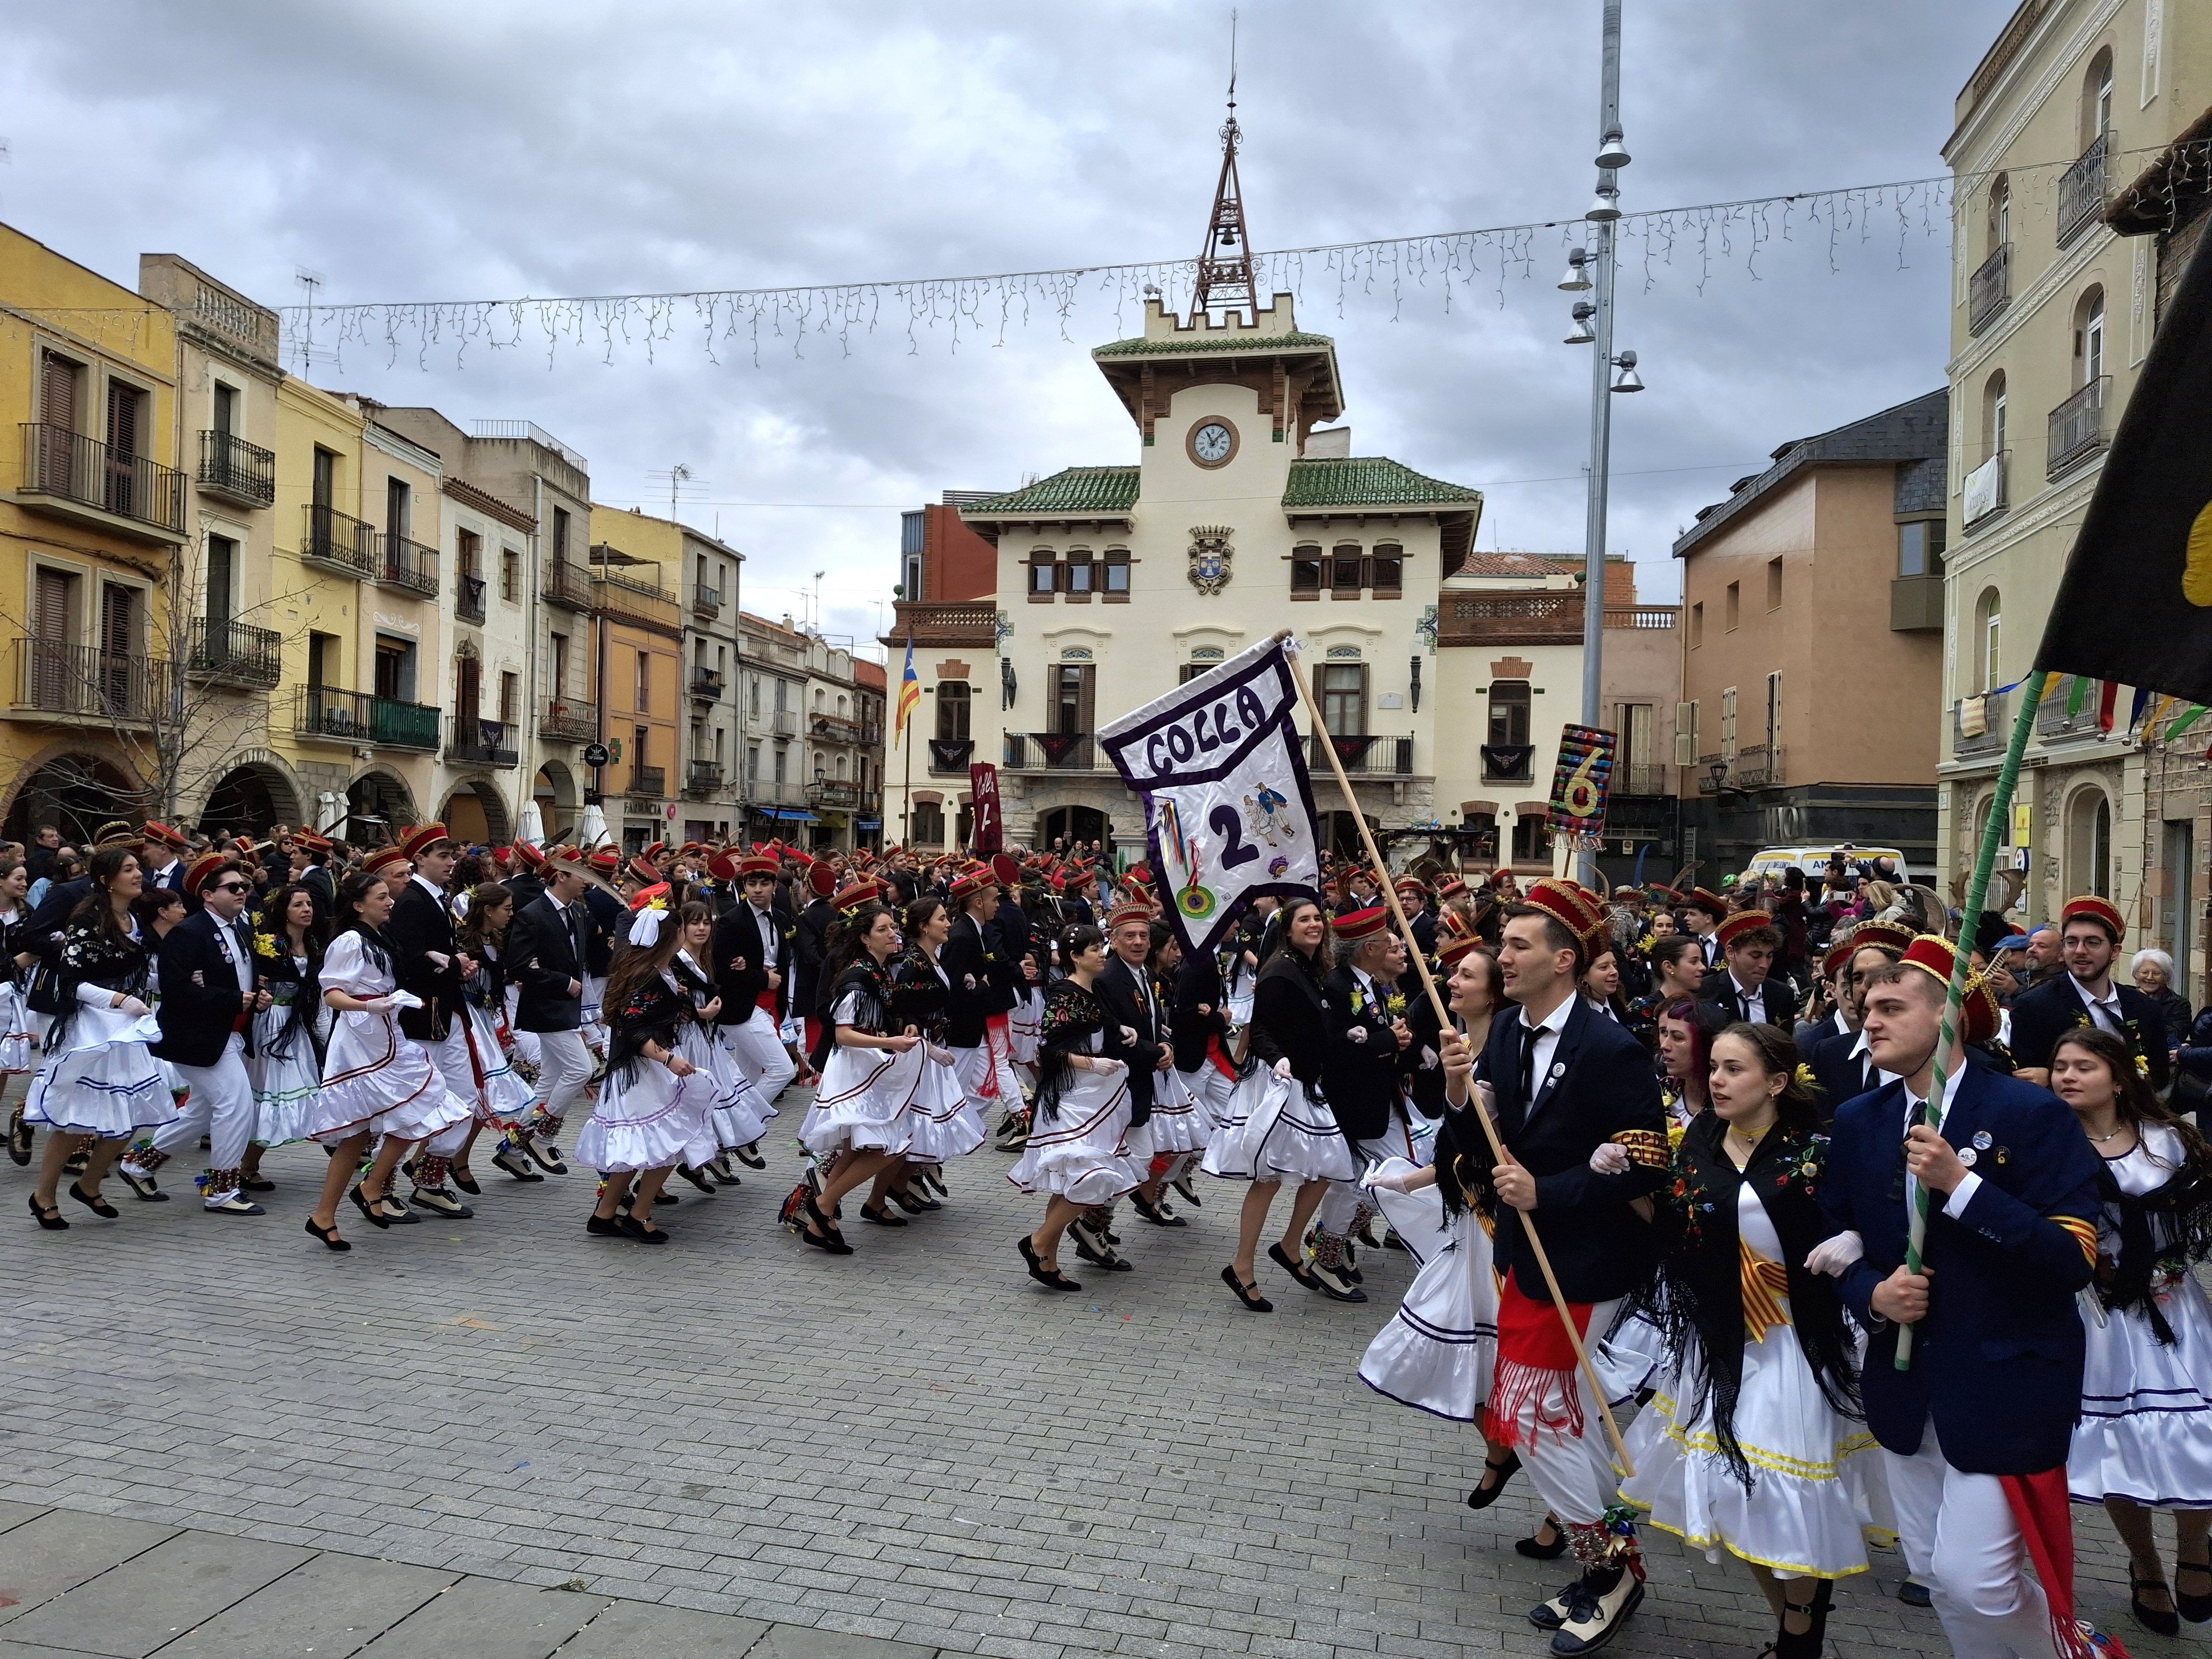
410, 150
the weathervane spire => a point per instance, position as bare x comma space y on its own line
1225, 278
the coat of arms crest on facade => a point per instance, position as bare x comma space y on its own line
1210, 553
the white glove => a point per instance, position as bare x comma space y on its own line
1429, 1060
1110, 1067
942, 1056
376, 1006
1358, 1034
1610, 1159
1283, 1069
1397, 1181
1487, 1095
1129, 1036
1832, 1256
133, 1007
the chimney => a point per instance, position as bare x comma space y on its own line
1328, 443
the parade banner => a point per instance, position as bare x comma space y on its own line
1229, 811
1582, 783
990, 830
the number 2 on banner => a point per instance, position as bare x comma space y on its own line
1225, 822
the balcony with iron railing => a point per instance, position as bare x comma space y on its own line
633, 598
1363, 757
647, 782
840, 794
1642, 778
469, 600
321, 713
951, 756
234, 653
1985, 496
79, 478
1031, 751
836, 728
83, 682
705, 684
472, 740
1507, 763
2081, 196
702, 777
706, 601
338, 542
2058, 720
407, 564
568, 585
1757, 766
777, 722
2077, 427
569, 722
236, 469
759, 794
1980, 725
1988, 291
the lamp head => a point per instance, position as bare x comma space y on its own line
1578, 277
1612, 152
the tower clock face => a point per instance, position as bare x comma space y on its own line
1212, 442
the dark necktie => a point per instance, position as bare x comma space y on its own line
1527, 1065
576, 938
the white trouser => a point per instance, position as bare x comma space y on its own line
974, 1068
594, 1013
221, 1107
1961, 1541
760, 1053
564, 1070
1342, 1200
1574, 1473
449, 1058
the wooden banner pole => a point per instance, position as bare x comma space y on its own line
1627, 1468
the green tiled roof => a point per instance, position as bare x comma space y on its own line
1367, 481
1219, 343
1077, 490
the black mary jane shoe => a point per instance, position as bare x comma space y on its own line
750, 1156
643, 1232
1536, 1549
1487, 1493
55, 1222
261, 1183
697, 1177
462, 1179
1104, 1259
2194, 1609
1808, 1644
2152, 1620
829, 1243
905, 1199
19, 1138
374, 1212
603, 1226
1247, 1294
1051, 1277
881, 1217
327, 1235
1297, 1270
1153, 1213
93, 1201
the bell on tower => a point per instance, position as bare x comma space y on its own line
1225, 278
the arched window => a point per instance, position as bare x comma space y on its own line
2089, 843
1989, 628
2089, 338
2000, 212
1993, 416
2097, 97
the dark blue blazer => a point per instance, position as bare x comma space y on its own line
2044, 1013
1599, 1084
1996, 1364
1840, 1074
200, 1007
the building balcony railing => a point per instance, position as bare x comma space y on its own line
777, 722
1980, 725
647, 782
2081, 196
407, 564
569, 722
473, 740
1031, 751
841, 794
55, 678
836, 728
633, 599
1643, 778
69, 467
2057, 721
1988, 291
872, 735
2077, 427
706, 683
337, 541
1554, 618
1985, 496
355, 717
567, 585
1757, 766
1365, 757
969, 622
231, 467
759, 794
702, 777
1507, 763
953, 755
469, 600
235, 652
706, 602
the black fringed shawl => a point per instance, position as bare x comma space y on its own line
302, 1018
651, 1013
1073, 1016
2162, 1232
871, 1012
1696, 1300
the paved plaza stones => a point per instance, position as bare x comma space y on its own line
221, 1441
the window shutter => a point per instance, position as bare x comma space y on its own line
58, 393
1686, 734
1728, 723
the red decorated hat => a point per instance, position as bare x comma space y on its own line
851, 897
1733, 929
161, 834
1410, 883
1568, 905
117, 833
967, 885
1700, 898
1454, 938
1005, 869
1936, 957
1887, 935
203, 870
758, 862
422, 838
1453, 888
529, 855
645, 870
602, 861
651, 850
646, 897
309, 841
1358, 925
386, 861
2090, 908
1129, 910
821, 879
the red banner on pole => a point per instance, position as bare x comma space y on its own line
990, 828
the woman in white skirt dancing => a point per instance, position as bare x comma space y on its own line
502, 1100
377, 1081
1078, 1152
652, 1112
860, 1124
1753, 1446
945, 1122
290, 1034
737, 1116
1279, 1126
96, 1077
2144, 1438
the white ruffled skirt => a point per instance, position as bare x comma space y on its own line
284, 1085
1818, 1488
736, 1115
943, 1121
101, 1081
1214, 1090
862, 1101
504, 1101
1178, 1122
1277, 1132
1439, 1350
2145, 1431
650, 1119
1087, 1153
20, 1032
1025, 1027
378, 1079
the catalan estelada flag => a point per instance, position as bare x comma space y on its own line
909, 694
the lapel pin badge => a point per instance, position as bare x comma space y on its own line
1968, 1156
1982, 1140
1559, 1070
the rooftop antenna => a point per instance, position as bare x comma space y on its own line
678, 476
310, 282
1225, 278
818, 599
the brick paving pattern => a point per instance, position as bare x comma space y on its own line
914, 1443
